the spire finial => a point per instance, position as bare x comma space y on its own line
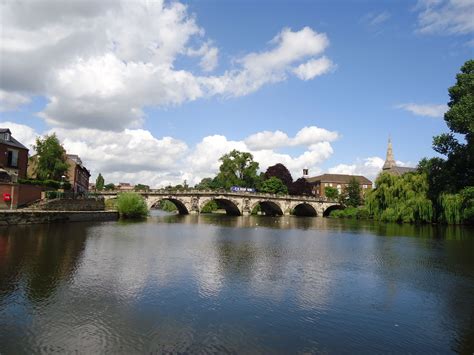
390, 160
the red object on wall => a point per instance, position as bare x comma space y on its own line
7, 197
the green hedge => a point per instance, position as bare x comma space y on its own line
53, 184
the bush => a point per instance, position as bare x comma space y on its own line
131, 205
53, 184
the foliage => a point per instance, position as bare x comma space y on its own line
109, 187
167, 206
111, 204
237, 169
331, 193
206, 184
46, 183
301, 187
458, 168
51, 158
99, 182
141, 187
281, 172
353, 192
458, 208
274, 185
400, 198
351, 212
131, 205
210, 207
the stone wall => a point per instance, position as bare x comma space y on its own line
69, 204
16, 217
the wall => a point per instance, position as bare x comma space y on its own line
67, 204
22, 194
40, 217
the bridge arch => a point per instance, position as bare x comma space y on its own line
305, 210
180, 205
230, 207
331, 208
269, 208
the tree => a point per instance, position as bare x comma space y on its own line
141, 187
331, 193
99, 182
301, 187
353, 192
237, 169
51, 163
206, 184
459, 165
274, 185
281, 172
109, 187
131, 205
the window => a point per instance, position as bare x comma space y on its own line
13, 158
7, 136
364, 186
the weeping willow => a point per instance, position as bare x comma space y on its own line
451, 208
400, 199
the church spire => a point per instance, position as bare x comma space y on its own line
389, 161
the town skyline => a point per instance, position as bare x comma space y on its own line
171, 87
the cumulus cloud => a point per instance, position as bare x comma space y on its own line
430, 110
100, 64
10, 101
369, 167
307, 136
445, 16
136, 156
313, 68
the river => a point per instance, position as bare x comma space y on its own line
221, 284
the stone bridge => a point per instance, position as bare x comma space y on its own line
237, 203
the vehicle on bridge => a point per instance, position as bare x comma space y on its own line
242, 189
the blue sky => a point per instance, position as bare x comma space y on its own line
388, 67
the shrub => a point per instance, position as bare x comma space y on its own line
131, 205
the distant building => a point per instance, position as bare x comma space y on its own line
391, 166
125, 186
338, 181
13, 157
78, 175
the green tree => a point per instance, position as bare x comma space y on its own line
274, 185
141, 187
109, 187
459, 165
51, 163
353, 192
99, 182
206, 184
131, 205
237, 169
400, 198
331, 193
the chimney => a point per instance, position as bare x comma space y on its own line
305, 172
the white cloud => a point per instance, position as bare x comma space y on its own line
100, 64
136, 156
10, 101
306, 136
445, 16
313, 68
430, 110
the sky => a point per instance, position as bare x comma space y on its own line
155, 92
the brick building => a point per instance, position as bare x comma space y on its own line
78, 175
338, 181
13, 156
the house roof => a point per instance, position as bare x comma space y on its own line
12, 142
339, 178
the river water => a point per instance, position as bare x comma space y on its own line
220, 284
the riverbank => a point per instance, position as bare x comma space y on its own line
18, 217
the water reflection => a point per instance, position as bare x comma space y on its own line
207, 283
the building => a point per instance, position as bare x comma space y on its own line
338, 181
78, 175
13, 157
391, 166
125, 186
